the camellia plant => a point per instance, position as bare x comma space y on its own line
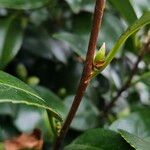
47, 101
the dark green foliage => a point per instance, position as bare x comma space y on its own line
101, 139
44, 44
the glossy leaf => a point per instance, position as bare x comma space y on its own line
38, 118
144, 20
78, 5
137, 123
101, 139
76, 42
125, 9
111, 29
52, 100
39, 43
140, 6
22, 4
15, 91
137, 142
87, 111
79, 42
11, 37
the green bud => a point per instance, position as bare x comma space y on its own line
100, 55
99, 58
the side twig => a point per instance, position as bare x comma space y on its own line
98, 13
126, 85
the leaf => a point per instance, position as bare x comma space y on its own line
145, 78
52, 100
137, 123
27, 114
140, 6
12, 90
81, 23
26, 120
81, 147
125, 9
101, 139
87, 111
78, 5
145, 19
11, 37
77, 43
110, 31
39, 118
7, 109
7, 128
23, 4
136, 142
41, 44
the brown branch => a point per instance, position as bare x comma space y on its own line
98, 13
126, 85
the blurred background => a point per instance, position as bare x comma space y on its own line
50, 44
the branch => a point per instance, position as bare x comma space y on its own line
127, 84
98, 13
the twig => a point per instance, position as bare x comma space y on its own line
126, 85
98, 13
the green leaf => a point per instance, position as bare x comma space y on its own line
11, 37
111, 29
136, 142
145, 78
145, 19
52, 100
38, 118
39, 42
12, 90
7, 109
137, 123
7, 128
81, 147
25, 115
140, 6
78, 5
23, 4
87, 111
101, 139
81, 24
125, 9
77, 43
